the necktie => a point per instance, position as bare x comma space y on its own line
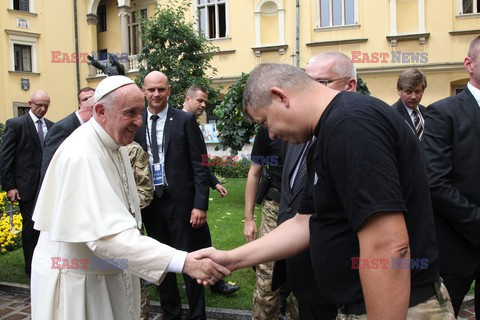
418, 124
154, 147
154, 144
299, 181
40, 132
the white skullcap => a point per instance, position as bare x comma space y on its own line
110, 84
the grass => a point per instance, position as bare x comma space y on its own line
12, 267
226, 220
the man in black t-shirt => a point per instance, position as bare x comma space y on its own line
367, 217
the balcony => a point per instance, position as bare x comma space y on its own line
131, 66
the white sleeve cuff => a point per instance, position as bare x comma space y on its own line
177, 261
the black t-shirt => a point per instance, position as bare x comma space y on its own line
366, 160
268, 152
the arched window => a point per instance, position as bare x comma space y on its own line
269, 23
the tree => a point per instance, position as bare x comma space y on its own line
362, 86
235, 130
171, 45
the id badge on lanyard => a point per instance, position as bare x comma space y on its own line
158, 173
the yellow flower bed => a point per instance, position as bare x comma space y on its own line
9, 240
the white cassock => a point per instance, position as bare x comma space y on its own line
88, 208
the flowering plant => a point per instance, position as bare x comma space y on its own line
10, 238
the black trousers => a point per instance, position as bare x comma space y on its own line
166, 225
29, 235
315, 311
458, 287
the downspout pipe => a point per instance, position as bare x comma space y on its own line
297, 32
75, 28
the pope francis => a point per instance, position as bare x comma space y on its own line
90, 252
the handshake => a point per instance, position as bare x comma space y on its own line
208, 265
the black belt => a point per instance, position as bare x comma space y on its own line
273, 194
417, 295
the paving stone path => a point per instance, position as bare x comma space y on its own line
16, 306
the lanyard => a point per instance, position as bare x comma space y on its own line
150, 139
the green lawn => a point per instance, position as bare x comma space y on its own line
225, 218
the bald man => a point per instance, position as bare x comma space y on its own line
20, 164
177, 215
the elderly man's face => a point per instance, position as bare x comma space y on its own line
197, 103
39, 104
124, 118
322, 71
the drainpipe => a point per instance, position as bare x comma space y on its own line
75, 28
297, 32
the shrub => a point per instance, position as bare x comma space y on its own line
229, 167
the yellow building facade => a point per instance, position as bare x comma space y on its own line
44, 44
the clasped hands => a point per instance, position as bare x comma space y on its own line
207, 266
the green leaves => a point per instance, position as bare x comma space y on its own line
174, 47
362, 86
235, 129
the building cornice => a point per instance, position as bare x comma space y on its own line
280, 47
336, 42
226, 80
22, 33
26, 13
431, 67
222, 52
464, 32
422, 37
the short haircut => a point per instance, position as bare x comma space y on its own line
411, 78
268, 75
343, 66
474, 49
85, 89
196, 87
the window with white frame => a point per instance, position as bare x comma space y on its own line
334, 13
134, 39
23, 51
23, 57
212, 18
21, 5
469, 6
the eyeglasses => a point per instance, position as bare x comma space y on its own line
325, 82
45, 105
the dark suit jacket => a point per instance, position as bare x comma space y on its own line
297, 270
55, 136
212, 180
21, 157
188, 180
452, 153
400, 107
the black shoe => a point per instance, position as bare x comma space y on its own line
221, 287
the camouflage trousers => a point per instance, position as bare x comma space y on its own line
430, 309
266, 303
145, 301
